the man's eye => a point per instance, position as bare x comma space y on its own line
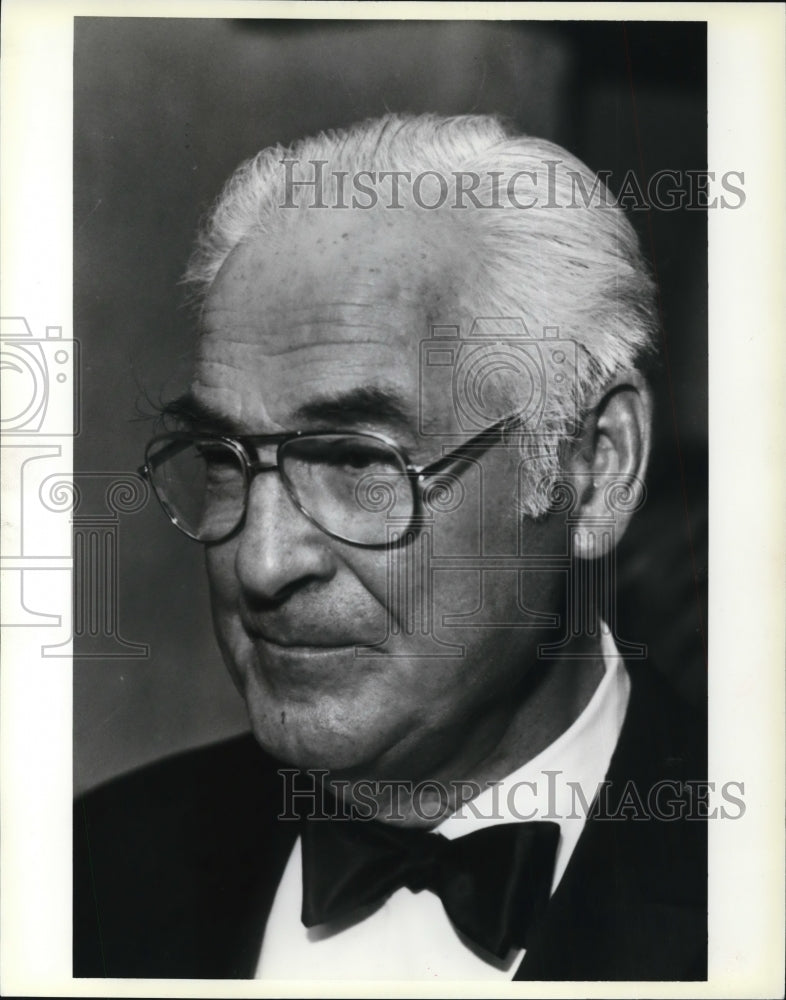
219, 461
214, 453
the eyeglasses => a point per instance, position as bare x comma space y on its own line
350, 485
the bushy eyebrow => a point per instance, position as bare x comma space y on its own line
195, 413
361, 405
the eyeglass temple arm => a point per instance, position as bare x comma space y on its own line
475, 444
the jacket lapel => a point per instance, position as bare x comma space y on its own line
632, 902
250, 850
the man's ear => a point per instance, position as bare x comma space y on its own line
606, 465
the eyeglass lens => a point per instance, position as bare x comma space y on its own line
350, 485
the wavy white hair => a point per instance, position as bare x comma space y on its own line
572, 262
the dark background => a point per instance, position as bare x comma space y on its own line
164, 110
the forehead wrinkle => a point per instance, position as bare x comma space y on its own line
332, 309
252, 351
277, 322
275, 309
329, 322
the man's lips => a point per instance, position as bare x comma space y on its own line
303, 638
299, 643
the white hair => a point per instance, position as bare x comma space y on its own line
571, 262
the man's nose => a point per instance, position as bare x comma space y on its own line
279, 549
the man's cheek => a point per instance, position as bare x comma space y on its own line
453, 592
221, 577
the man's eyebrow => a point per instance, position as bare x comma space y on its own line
361, 405
358, 406
197, 414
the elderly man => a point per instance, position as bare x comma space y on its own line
416, 428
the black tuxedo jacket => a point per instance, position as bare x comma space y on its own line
176, 865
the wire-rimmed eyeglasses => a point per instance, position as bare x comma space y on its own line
351, 485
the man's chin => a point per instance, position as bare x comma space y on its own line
318, 729
298, 745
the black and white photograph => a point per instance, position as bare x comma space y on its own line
383, 475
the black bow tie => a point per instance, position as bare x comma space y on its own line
492, 883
